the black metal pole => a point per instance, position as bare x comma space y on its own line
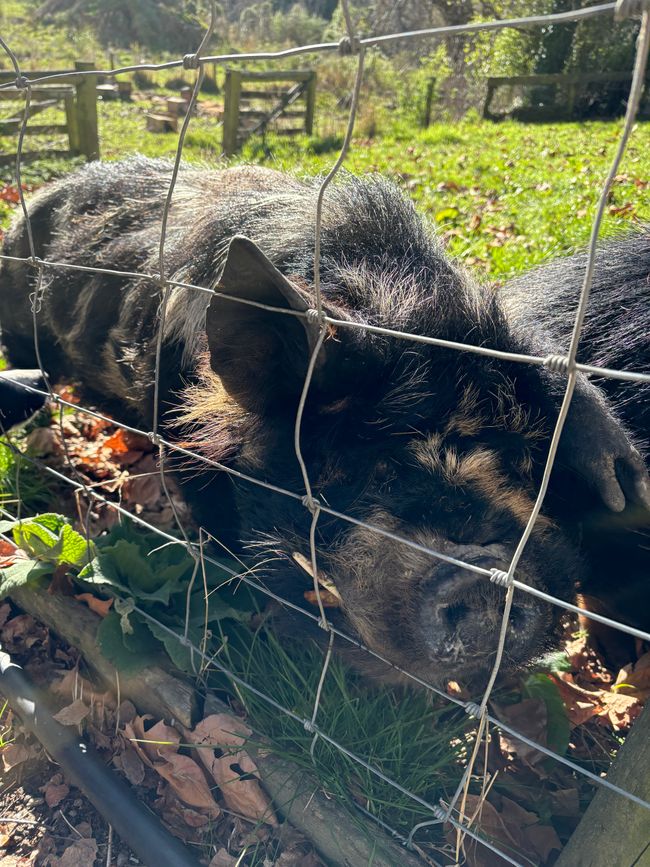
81, 764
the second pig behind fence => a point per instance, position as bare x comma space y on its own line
441, 447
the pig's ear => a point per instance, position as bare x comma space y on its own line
260, 355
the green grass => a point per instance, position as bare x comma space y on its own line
504, 196
19, 477
415, 741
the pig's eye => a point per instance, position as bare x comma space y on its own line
384, 470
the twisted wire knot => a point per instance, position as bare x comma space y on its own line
315, 316
191, 61
439, 812
154, 437
557, 363
501, 578
310, 503
309, 726
629, 8
35, 301
22, 82
473, 709
349, 45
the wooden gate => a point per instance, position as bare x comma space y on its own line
78, 96
255, 100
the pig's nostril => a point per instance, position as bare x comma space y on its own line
454, 614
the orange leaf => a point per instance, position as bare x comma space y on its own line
328, 599
99, 606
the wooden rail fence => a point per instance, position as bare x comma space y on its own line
79, 97
567, 89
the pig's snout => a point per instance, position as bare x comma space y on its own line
462, 612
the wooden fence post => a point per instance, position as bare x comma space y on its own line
88, 137
428, 103
310, 103
232, 90
71, 123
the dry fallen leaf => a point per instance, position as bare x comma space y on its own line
16, 754
634, 679
609, 707
231, 767
223, 859
55, 791
581, 704
158, 748
328, 599
531, 719
159, 741
82, 853
189, 783
73, 714
132, 766
512, 826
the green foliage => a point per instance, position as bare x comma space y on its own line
19, 476
48, 541
158, 24
558, 727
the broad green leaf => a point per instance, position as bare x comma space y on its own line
558, 728
219, 608
128, 653
19, 574
446, 214
182, 655
50, 537
125, 565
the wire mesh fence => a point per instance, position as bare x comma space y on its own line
453, 811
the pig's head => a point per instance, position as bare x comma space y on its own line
439, 447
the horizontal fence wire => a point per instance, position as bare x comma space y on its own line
350, 44
491, 574
468, 706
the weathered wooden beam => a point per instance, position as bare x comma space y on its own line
87, 111
310, 103
11, 127
614, 830
49, 92
153, 690
282, 75
232, 90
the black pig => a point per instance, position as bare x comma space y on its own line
442, 447
616, 335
